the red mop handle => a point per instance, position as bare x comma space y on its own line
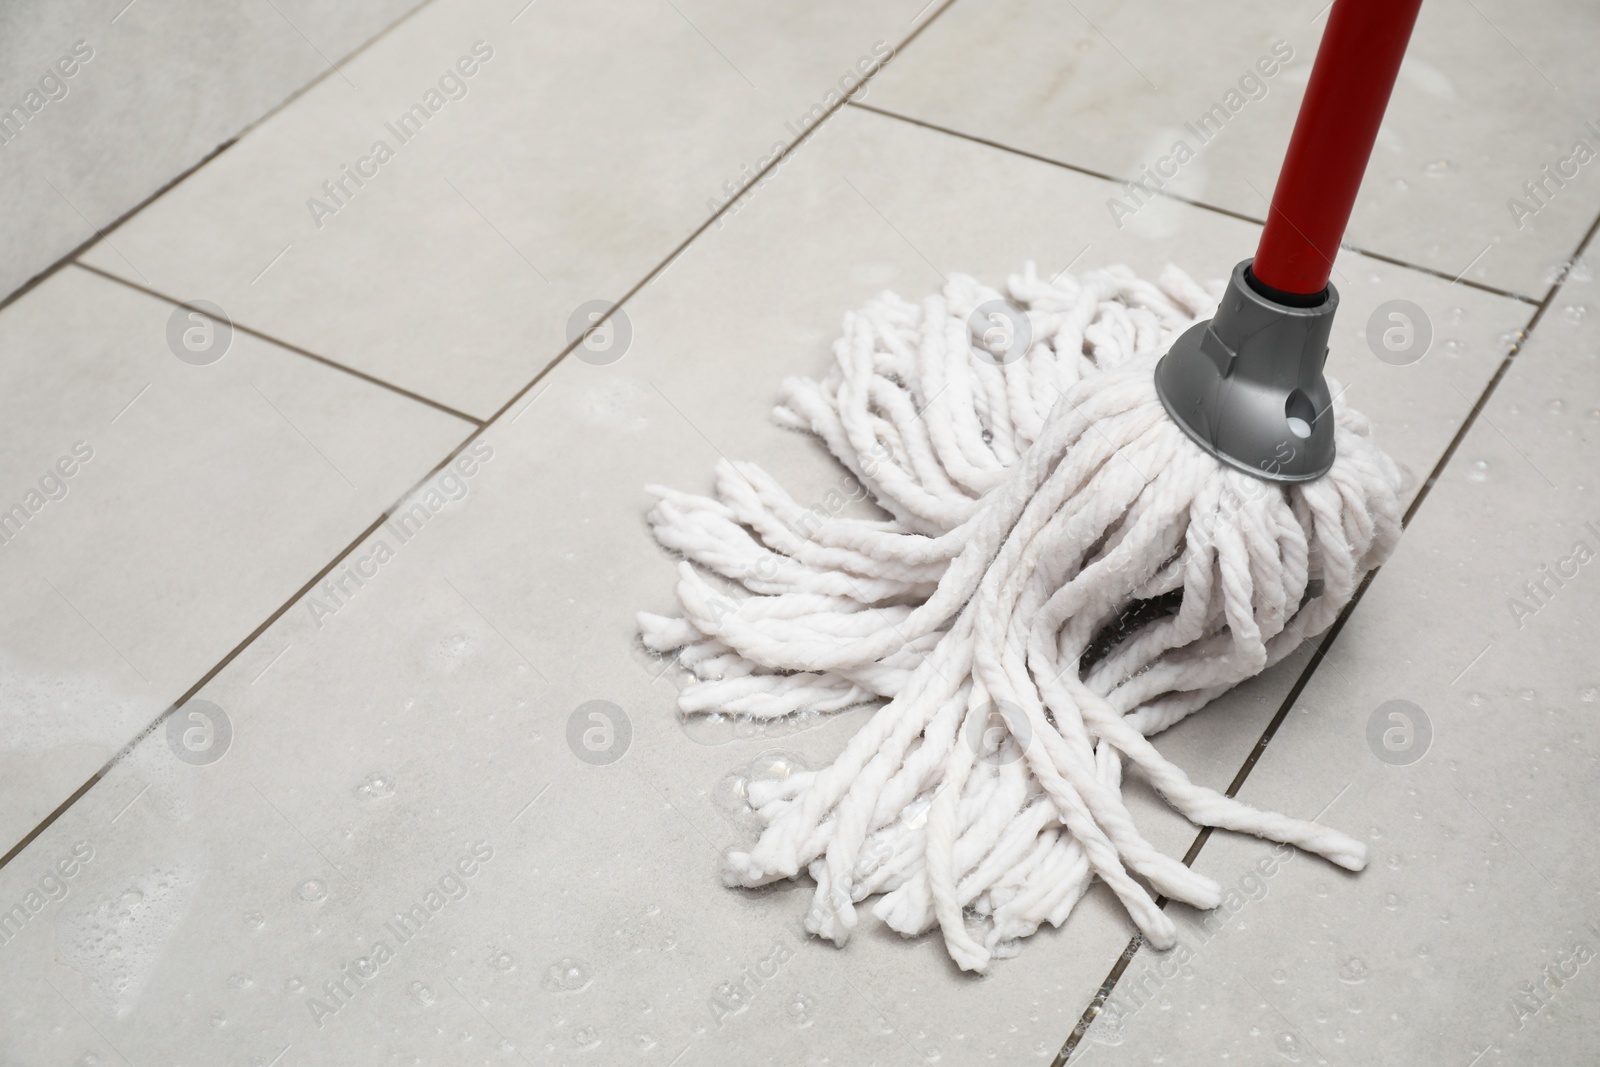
1351, 79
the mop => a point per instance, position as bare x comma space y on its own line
1109, 500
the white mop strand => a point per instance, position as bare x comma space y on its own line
1032, 501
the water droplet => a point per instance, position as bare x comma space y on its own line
732, 794
502, 961
586, 1037
1392, 901
255, 920
1555, 273
1440, 167
1288, 1045
1575, 312
1400, 184
1527, 694
1475, 699
775, 766
218, 1020
294, 984
376, 787
311, 890
421, 993
1353, 970
1280, 976
800, 1006
240, 981
644, 1042
566, 976
1589, 694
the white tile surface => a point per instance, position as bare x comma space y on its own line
582, 154
211, 494
1490, 92
1479, 882
161, 85
451, 677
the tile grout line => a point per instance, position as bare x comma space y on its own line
1103, 993
287, 346
479, 427
1482, 287
71, 257
1203, 205
101, 232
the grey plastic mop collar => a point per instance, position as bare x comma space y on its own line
1247, 385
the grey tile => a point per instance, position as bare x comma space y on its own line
196, 500
594, 141
153, 88
429, 707
1474, 932
1490, 92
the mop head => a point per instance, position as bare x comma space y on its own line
1064, 574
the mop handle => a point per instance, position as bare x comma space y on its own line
1351, 79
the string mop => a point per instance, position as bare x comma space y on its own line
1147, 495
1034, 503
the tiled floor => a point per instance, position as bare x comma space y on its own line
394, 701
